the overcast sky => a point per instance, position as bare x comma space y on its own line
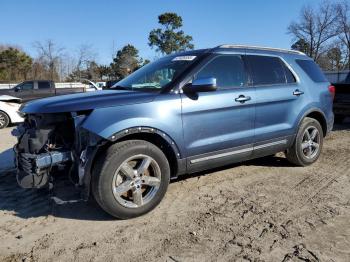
105, 24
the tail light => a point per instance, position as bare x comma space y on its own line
331, 90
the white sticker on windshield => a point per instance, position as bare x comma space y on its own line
184, 58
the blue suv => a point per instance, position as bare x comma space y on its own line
181, 114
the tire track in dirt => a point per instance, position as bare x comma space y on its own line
302, 194
260, 211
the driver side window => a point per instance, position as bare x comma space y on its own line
26, 86
227, 69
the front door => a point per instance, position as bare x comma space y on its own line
25, 91
219, 125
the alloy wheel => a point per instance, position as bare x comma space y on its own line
136, 181
2, 120
311, 142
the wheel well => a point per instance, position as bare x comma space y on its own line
158, 141
321, 119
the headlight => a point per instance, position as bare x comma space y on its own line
21, 114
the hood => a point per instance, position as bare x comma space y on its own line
86, 101
6, 98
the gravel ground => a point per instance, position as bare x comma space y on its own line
260, 210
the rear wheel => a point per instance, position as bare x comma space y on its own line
308, 143
131, 178
4, 120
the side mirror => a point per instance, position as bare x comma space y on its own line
201, 85
16, 89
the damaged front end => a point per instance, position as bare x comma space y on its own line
48, 143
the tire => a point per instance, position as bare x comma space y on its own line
305, 150
4, 120
338, 119
146, 182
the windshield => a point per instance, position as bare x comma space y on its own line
156, 75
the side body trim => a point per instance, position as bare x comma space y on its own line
221, 155
239, 151
280, 142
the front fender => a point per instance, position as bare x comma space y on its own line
11, 109
162, 114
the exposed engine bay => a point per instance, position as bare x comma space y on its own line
48, 143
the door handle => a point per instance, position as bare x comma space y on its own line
297, 92
242, 99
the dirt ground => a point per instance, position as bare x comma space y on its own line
260, 210
6, 153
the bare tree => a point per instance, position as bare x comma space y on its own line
50, 54
85, 56
316, 28
68, 65
343, 9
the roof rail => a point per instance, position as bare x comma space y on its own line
261, 48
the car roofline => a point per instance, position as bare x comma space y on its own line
261, 48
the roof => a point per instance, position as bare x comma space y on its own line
262, 48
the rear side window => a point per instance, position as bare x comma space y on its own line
312, 70
266, 70
44, 85
227, 69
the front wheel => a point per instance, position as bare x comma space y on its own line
308, 143
4, 120
130, 179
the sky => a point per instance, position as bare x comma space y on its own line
108, 25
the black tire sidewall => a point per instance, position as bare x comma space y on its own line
307, 123
110, 166
7, 120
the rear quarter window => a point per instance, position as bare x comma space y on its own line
44, 85
312, 70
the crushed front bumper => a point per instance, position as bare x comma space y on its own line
33, 171
44, 148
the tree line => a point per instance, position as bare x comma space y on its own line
54, 63
322, 32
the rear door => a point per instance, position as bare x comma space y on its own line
278, 98
219, 125
44, 89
